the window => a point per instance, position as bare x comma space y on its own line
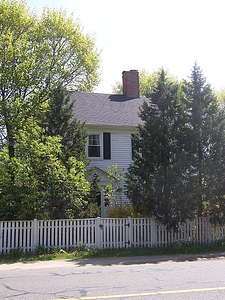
94, 145
99, 145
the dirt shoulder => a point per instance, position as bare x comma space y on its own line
109, 261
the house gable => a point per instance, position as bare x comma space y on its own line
111, 120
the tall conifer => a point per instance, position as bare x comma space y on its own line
179, 171
157, 182
60, 120
205, 123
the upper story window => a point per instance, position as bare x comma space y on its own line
94, 145
99, 145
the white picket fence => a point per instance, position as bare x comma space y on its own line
102, 233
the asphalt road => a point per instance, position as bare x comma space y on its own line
166, 277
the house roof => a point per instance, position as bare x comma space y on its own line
106, 109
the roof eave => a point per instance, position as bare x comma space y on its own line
112, 126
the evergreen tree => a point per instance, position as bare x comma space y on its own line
214, 204
93, 200
59, 120
158, 183
181, 170
205, 148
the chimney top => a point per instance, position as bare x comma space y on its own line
131, 83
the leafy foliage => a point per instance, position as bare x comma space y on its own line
43, 186
221, 98
42, 165
124, 211
37, 54
112, 192
93, 207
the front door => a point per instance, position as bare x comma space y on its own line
104, 181
105, 205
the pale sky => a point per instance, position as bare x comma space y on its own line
150, 34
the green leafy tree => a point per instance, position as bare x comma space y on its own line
113, 191
157, 182
43, 187
221, 98
36, 54
93, 200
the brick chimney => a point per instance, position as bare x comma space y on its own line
131, 83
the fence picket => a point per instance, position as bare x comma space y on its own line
103, 233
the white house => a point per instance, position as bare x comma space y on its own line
111, 120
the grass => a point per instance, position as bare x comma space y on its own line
54, 253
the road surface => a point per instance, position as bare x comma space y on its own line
166, 277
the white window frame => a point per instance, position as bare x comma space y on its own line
101, 145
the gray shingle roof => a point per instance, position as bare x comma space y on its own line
106, 109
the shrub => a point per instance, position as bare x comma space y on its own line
124, 211
16, 252
41, 250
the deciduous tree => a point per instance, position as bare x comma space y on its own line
36, 54
43, 187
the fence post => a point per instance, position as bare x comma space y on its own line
35, 235
153, 233
129, 231
98, 235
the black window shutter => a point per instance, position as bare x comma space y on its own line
106, 145
133, 146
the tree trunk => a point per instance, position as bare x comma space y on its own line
11, 148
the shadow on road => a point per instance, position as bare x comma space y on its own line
109, 261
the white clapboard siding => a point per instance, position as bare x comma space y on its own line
121, 155
121, 152
103, 233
